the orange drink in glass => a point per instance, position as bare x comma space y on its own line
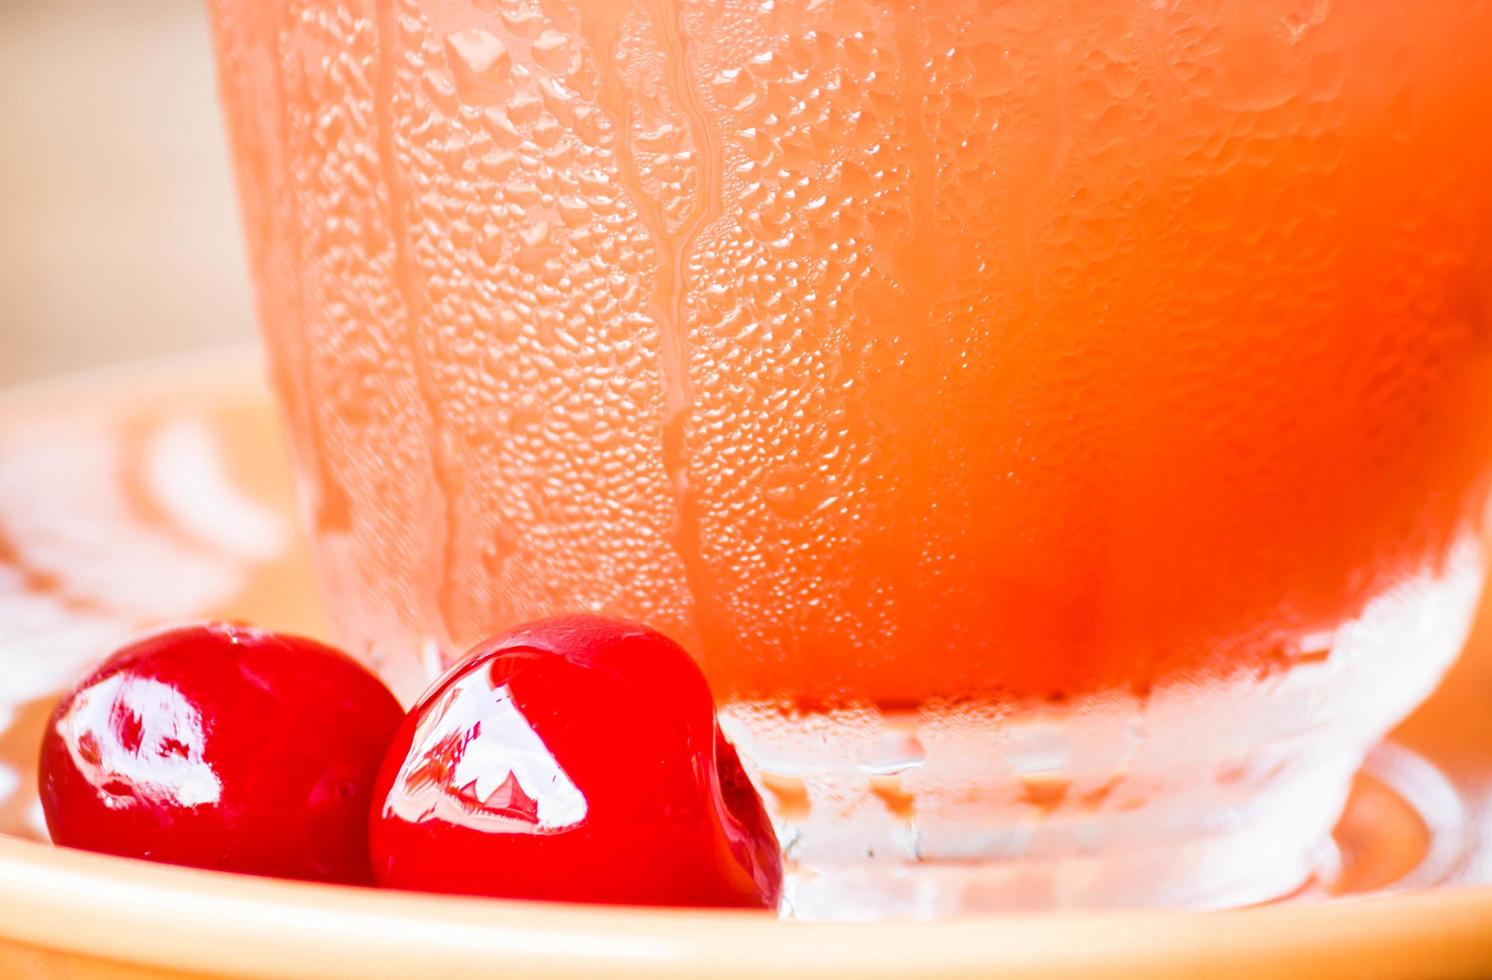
1062, 430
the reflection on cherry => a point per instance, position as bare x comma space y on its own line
221, 747
574, 759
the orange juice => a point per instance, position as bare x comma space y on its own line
891, 353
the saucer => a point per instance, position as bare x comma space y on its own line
160, 492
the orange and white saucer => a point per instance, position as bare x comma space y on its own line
159, 493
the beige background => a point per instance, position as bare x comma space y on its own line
118, 227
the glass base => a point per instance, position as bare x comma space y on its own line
1209, 836
1272, 848
1202, 795
1404, 827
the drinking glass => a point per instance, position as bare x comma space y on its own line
1061, 429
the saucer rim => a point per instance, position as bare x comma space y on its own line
203, 922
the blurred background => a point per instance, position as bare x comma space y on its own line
119, 230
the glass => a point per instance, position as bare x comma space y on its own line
1062, 430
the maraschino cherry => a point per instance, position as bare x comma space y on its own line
221, 747
574, 759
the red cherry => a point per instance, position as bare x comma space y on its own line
574, 759
221, 747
